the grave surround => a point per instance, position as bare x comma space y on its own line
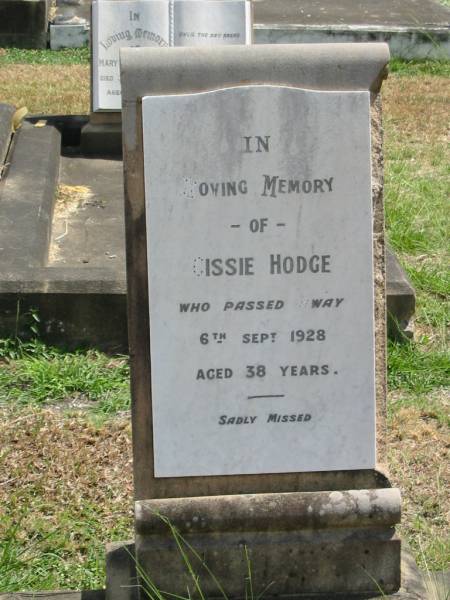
213, 511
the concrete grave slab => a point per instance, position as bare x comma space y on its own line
63, 251
71, 24
390, 13
412, 28
27, 197
6, 116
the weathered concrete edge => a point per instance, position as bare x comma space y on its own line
63, 280
271, 512
28, 195
6, 116
178, 70
338, 27
413, 587
408, 44
121, 571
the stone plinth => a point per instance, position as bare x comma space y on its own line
297, 543
102, 136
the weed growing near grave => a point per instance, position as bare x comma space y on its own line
194, 564
413, 368
33, 374
68, 56
413, 68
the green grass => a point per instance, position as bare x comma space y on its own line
415, 67
69, 557
37, 374
414, 369
417, 191
69, 56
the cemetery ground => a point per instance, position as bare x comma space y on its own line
65, 449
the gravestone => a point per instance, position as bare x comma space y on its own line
270, 351
256, 295
23, 23
149, 23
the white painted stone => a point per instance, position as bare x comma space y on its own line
211, 23
157, 23
117, 25
68, 36
322, 141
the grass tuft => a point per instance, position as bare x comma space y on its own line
416, 370
67, 56
415, 67
37, 374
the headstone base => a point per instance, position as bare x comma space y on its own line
295, 544
69, 35
121, 578
102, 136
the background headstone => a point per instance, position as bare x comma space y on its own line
149, 23
117, 24
24, 23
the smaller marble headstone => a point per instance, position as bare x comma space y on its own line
211, 22
157, 23
119, 24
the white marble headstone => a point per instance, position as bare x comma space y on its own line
211, 22
118, 24
145, 23
259, 229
